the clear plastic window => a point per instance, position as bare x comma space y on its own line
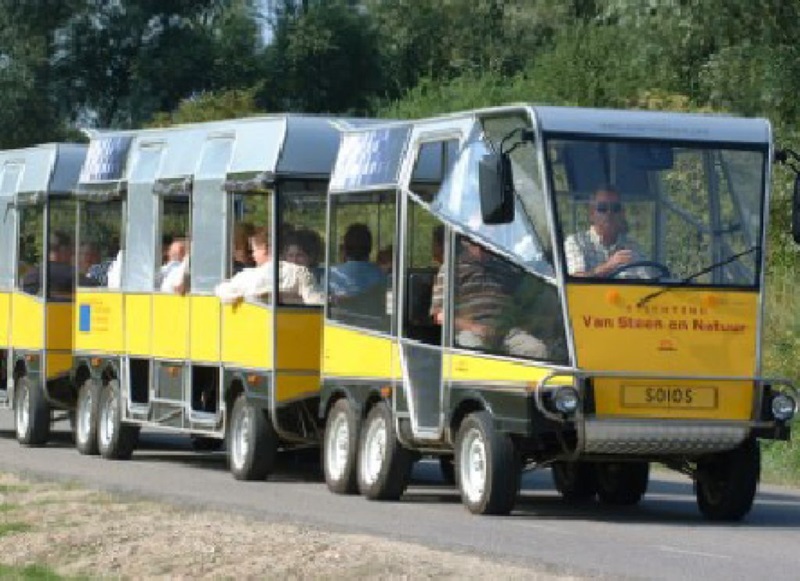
173, 273
99, 241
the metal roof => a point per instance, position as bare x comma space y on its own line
49, 168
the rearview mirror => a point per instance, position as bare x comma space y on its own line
496, 189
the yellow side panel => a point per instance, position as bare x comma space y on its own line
138, 334
295, 387
351, 353
299, 340
680, 332
27, 322
171, 326
205, 329
59, 325
474, 368
58, 364
99, 322
5, 318
247, 335
715, 400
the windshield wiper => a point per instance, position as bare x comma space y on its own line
732, 258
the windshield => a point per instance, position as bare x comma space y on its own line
645, 211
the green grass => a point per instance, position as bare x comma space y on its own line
6, 507
29, 573
9, 528
10, 488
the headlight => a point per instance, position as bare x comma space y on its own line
566, 400
783, 407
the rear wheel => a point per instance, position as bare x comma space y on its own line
384, 466
86, 418
253, 443
726, 483
31, 413
340, 448
575, 481
622, 483
116, 440
487, 467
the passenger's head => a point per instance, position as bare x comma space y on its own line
357, 242
384, 258
60, 247
311, 243
88, 255
606, 214
259, 246
241, 236
437, 246
177, 250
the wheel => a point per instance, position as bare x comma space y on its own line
726, 484
31, 413
115, 439
622, 483
253, 443
487, 466
86, 418
206, 444
575, 481
340, 448
447, 465
384, 466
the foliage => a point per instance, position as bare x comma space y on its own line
210, 106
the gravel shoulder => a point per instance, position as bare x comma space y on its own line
75, 531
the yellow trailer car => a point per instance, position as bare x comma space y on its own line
37, 222
194, 224
574, 288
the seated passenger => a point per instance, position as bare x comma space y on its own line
356, 274
604, 247
242, 233
296, 284
174, 274
60, 268
437, 294
93, 270
114, 275
484, 300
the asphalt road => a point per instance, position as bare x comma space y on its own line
664, 537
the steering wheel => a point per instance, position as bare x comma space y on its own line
663, 269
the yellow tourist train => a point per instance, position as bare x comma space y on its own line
503, 289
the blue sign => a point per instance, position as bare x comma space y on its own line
84, 318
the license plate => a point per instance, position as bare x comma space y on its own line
669, 396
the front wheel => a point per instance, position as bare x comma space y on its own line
253, 445
116, 440
726, 483
622, 483
86, 418
31, 413
487, 467
384, 466
340, 448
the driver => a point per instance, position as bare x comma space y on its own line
604, 247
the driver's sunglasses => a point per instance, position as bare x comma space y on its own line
606, 207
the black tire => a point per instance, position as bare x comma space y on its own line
207, 444
727, 483
86, 414
447, 466
622, 483
252, 442
384, 466
575, 481
487, 466
340, 448
31, 413
116, 440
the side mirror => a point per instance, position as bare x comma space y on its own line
796, 209
496, 189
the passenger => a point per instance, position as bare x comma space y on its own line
174, 274
311, 244
356, 274
242, 259
437, 294
92, 269
484, 292
384, 259
60, 268
114, 277
603, 248
296, 284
